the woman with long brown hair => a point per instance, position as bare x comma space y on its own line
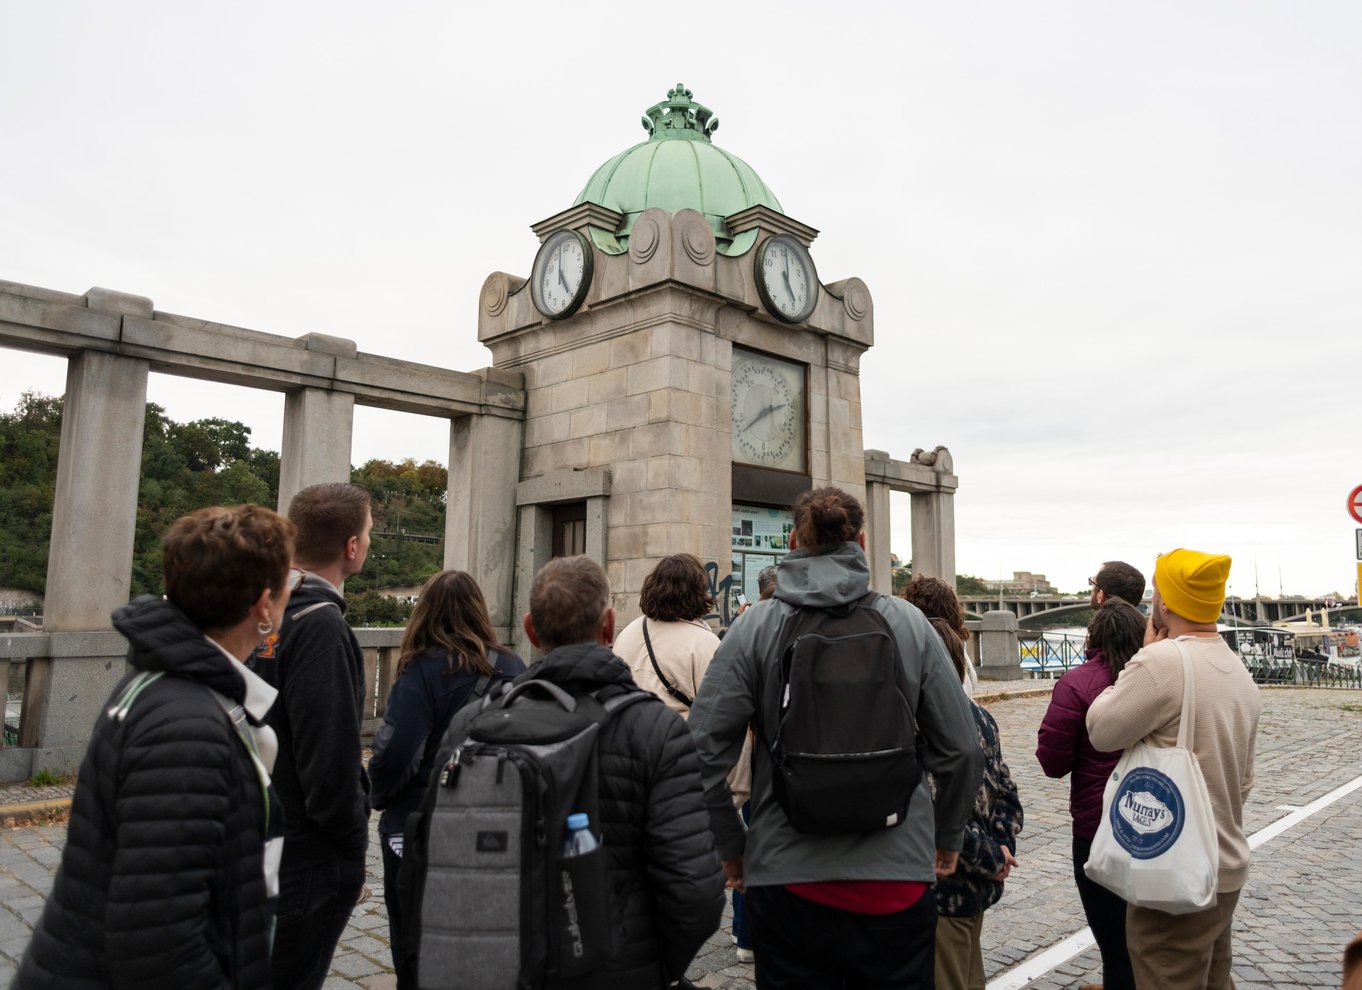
449, 657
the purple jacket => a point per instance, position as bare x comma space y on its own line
1062, 745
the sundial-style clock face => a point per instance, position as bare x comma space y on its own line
768, 411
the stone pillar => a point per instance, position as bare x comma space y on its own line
480, 521
998, 659
89, 565
934, 535
877, 531
318, 428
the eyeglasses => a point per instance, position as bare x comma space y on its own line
295, 578
1092, 582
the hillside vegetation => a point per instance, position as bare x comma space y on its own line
186, 466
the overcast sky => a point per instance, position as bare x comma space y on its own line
1114, 248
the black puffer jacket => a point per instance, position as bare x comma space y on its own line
162, 881
654, 824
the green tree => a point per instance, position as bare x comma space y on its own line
967, 585
370, 608
185, 466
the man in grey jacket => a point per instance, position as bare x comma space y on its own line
831, 909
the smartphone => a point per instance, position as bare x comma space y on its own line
742, 600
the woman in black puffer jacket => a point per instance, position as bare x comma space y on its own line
163, 881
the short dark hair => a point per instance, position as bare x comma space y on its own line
1117, 630
766, 582
1118, 578
327, 516
677, 590
568, 599
937, 600
217, 561
825, 518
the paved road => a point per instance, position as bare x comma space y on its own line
1303, 902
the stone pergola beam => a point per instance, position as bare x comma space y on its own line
57, 323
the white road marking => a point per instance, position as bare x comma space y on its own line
1032, 969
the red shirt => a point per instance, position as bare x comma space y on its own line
862, 896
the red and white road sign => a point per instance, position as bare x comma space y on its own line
1355, 503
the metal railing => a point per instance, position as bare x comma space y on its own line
1049, 654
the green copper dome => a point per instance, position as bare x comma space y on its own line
679, 168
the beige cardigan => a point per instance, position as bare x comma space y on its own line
684, 650
1146, 703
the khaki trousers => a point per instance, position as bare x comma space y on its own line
959, 959
1182, 951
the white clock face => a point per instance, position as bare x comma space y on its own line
787, 279
561, 274
768, 412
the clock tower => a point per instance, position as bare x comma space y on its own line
687, 371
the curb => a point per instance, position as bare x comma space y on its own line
34, 812
981, 699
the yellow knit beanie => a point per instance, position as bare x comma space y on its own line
1192, 583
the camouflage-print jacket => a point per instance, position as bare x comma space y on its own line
995, 823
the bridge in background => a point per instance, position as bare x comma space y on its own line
1045, 609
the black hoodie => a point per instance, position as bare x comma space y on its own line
316, 664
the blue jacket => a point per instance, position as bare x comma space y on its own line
423, 701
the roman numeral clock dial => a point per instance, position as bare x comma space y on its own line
768, 411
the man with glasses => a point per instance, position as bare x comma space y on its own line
1117, 579
315, 663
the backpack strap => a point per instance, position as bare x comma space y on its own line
670, 688
479, 691
236, 714
312, 608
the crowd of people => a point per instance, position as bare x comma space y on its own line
220, 820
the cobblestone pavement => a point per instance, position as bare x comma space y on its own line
1302, 904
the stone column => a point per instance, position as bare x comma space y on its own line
934, 535
998, 659
480, 521
318, 428
877, 529
89, 565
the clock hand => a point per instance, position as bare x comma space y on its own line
788, 287
561, 280
762, 415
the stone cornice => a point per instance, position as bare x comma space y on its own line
767, 219
576, 218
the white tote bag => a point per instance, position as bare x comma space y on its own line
1156, 845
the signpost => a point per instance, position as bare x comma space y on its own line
1355, 510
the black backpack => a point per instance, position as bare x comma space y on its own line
844, 750
491, 903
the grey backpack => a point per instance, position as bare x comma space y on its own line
492, 904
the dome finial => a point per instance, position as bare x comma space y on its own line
678, 116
